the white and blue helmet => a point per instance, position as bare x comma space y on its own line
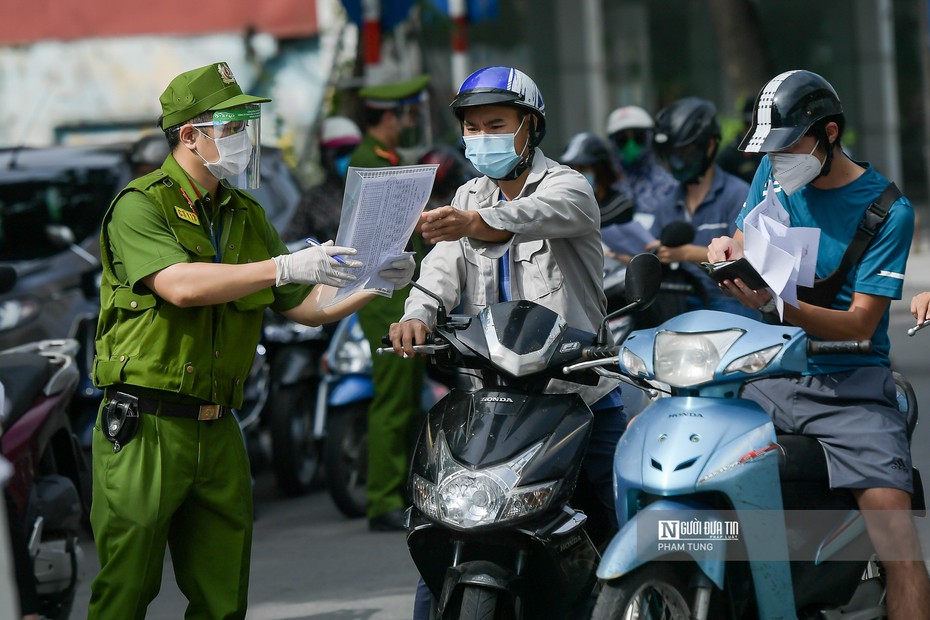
502, 86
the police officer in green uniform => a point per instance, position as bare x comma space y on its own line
390, 109
189, 264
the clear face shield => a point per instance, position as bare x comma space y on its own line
236, 133
415, 129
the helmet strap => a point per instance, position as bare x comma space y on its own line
820, 132
521, 167
529, 148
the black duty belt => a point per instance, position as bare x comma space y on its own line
166, 408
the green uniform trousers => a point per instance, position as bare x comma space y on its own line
394, 411
180, 482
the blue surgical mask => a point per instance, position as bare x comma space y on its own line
341, 164
493, 154
590, 177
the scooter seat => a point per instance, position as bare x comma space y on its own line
23, 375
801, 459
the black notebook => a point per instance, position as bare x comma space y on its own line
732, 269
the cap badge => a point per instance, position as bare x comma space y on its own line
226, 73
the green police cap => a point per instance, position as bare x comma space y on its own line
386, 96
213, 87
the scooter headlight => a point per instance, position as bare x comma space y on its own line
18, 311
468, 498
683, 360
349, 352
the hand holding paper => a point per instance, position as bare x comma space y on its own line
784, 256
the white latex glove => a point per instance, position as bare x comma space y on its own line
315, 265
399, 271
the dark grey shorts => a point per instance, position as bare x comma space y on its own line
854, 415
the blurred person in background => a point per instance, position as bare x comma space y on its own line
590, 155
739, 163
454, 170
390, 111
687, 135
630, 130
321, 206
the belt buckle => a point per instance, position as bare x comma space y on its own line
209, 412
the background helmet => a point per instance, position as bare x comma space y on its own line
337, 131
628, 117
786, 108
586, 149
684, 131
502, 86
339, 136
687, 121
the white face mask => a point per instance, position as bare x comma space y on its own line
234, 152
795, 170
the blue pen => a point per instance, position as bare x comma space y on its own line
313, 241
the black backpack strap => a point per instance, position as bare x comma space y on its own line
826, 289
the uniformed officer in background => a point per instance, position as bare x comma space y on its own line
189, 265
390, 111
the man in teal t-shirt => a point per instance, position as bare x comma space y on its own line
847, 402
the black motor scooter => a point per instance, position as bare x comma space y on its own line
48, 494
492, 528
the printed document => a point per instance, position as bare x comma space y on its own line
380, 210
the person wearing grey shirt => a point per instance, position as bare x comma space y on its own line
528, 229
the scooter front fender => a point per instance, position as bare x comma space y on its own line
351, 389
638, 543
478, 573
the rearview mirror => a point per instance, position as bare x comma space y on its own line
7, 278
642, 280
60, 235
643, 277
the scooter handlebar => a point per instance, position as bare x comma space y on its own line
599, 353
839, 347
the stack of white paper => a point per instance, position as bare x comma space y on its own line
380, 210
785, 257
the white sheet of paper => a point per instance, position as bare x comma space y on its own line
784, 256
629, 238
380, 209
801, 242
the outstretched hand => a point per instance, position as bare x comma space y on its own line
447, 224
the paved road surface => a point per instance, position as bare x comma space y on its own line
308, 562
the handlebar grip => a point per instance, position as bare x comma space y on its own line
839, 347
599, 353
386, 339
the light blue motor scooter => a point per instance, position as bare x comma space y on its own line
719, 516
